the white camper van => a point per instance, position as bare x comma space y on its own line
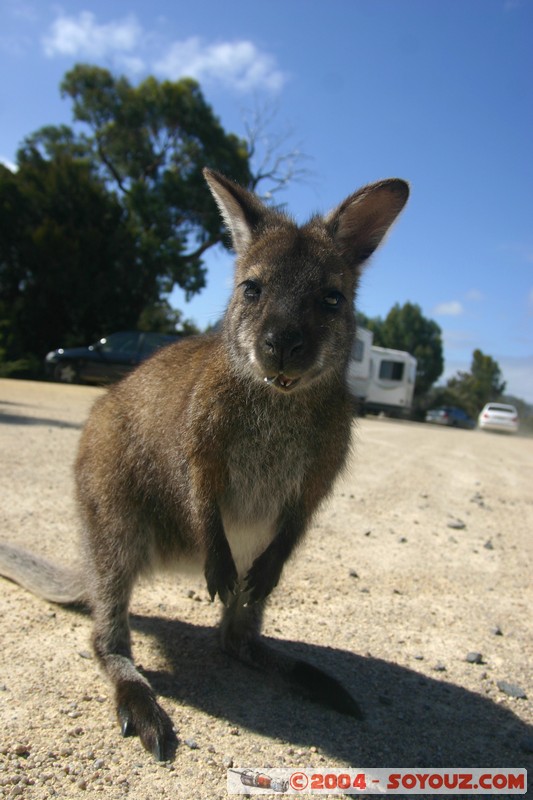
379, 378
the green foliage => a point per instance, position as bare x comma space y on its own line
67, 259
471, 390
405, 328
99, 223
151, 143
162, 318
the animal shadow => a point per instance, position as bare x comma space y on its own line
410, 719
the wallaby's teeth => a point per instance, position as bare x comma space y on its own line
281, 380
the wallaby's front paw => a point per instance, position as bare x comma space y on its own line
263, 576
221, 577
139, 713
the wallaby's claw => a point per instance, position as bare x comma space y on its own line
244, 597
158, 750
127, 727
140, 713
263, 576
225, 592
221, 577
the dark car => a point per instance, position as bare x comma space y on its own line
107, 360
449, 415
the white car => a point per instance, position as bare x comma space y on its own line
498, 417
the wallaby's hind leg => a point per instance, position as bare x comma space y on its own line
137, 708
240, 637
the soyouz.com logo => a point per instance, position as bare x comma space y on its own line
378, 781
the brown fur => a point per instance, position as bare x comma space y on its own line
219, 449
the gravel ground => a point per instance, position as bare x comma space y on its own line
413, 587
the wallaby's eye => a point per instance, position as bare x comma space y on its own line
333, 299
252, 290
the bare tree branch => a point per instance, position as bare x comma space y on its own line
273, 161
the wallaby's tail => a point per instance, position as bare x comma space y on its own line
304, 678
49, 581
239, 634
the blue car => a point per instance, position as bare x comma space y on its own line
449, 415
107, 360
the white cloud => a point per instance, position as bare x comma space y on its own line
9, 164
475, 295
239, 64
451, 309
83, 36
23, 11
133, 65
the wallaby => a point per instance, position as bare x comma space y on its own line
219, 449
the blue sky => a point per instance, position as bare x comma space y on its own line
435, 91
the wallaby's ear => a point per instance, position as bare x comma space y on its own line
359, 224
241, 210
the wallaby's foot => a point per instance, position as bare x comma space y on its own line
140, 714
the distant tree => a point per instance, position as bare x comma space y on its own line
162, 318
103, 219
150, 143
66, 259
479, 386
405, 328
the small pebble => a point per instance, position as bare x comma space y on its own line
488, 545
512, 689
353, 574
85, 654
440, 667
227, 762
191, 743
457, 524
474, 658
496, 631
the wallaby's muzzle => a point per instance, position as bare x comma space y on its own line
284, 353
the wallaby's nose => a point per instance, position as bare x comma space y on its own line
283, 345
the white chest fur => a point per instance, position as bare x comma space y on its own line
248, 539
266, 470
